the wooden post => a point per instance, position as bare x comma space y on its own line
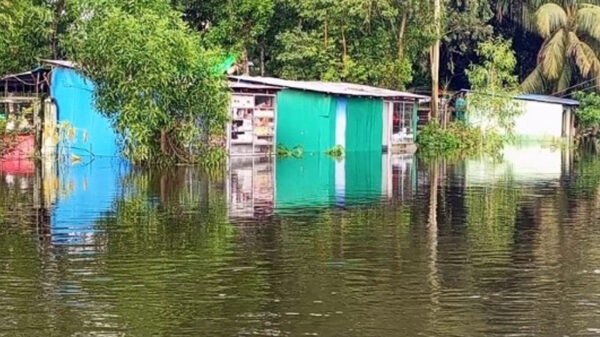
415, 122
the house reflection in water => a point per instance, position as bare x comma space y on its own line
250, 187
526, 164
259, 187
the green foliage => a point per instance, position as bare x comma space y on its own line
240, 24
284, 152
493, 87
572, 32
588, 113
337, 151
350, 40
25, 34
457, 139
152, 78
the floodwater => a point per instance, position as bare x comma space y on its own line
369, 246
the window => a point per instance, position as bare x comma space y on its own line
402, 130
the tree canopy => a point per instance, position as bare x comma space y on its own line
154, 59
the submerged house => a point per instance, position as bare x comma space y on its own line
72, 93
542, 117
265, 112
317, 116
21, 112
51, 98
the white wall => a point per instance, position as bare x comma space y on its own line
540, 120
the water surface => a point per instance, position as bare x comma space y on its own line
368, 246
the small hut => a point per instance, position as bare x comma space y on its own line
21, 112
542, 117
251, 130
73, 94
320, 115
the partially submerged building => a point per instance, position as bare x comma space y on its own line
317, 116
21, 112
542, 117
265, 112
73, 95
54, 104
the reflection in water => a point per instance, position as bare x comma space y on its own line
366, 246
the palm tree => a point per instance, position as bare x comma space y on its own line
572, 42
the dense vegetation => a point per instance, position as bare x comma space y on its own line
150, 53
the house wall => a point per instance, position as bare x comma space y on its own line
306, 119
540, 120
318, 122
73, 94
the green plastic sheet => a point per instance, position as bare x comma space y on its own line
364, 125
306, 119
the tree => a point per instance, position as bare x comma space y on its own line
365, 41
240, 26
493, 87
152, 78
588, 113
25, 35
572, 37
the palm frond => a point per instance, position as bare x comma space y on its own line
535, 82
565, 78
588, 20
550, 18
552, 55
585, 58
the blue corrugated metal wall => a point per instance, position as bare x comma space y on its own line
73, 94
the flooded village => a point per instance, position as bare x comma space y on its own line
299, 168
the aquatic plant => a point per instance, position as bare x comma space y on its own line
337, 151
295, 152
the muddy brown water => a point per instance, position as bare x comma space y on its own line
314, 247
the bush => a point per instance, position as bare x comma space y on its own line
458, 139
588, 113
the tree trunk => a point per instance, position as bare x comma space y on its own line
58, 10
326, 34
435, 61
262, 59
245, 62
401, 34
164, 145
344, 45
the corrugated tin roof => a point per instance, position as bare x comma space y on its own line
542, 98
548, 99
23, 74
336, 88
244, 85
60, 63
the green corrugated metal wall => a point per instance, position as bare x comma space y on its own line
364, 125
308, 119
